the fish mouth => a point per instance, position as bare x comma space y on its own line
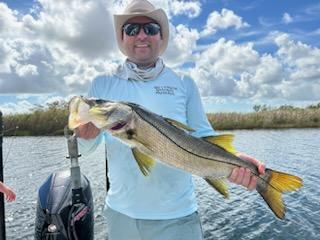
118, 126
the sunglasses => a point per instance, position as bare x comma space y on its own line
133, 29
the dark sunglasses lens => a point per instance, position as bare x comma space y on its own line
151, 29
131, 29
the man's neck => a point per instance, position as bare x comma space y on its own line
144, 65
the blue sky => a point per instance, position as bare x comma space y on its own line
240, 53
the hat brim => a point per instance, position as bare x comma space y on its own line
158, 15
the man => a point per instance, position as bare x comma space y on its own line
162, 205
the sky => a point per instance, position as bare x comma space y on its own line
240, 53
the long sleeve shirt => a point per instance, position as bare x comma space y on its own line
167, 192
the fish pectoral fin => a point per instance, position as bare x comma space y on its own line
145, 162
179, 125
219, 185
224, 141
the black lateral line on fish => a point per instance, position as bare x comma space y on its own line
257, 175
181, 146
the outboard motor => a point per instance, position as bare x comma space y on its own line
65, 205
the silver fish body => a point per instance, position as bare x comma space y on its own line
176, 147
152, 136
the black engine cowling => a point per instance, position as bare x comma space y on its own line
58, 217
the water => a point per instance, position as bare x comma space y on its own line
243, 216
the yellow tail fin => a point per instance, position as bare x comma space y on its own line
271, 186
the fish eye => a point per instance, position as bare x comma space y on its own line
99, 101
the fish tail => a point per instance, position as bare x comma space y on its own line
272, 184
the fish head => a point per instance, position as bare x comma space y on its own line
111, 116
104, 114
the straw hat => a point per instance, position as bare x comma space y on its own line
142, 8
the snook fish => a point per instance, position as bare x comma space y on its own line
151, 137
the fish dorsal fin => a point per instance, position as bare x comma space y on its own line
179, 125
145, 162
219, 185
224, 141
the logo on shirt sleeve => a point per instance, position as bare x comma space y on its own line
165, 90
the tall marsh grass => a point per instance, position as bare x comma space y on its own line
51, 119
277, 118
42, 121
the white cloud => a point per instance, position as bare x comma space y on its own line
228, 58
9, 25
265, 22
268, 71
314, 33
26, 103
262, 81
6, 57
221, 64
60, 48
223, 20
182, 44
25, 70
286, 18
296, 53
55, 99
191, 9
84, 27
302, 66
228, 69
302, 91
23, 106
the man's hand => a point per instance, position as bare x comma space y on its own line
242, 176
87, 131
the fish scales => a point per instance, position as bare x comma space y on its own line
177, 148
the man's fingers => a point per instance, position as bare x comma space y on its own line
233, 175
246, 178
240, 176
261, 166
87, 131
253, 183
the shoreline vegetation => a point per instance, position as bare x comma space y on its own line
51, 119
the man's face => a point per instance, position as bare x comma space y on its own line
142, 49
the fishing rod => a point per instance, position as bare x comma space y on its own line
2, 209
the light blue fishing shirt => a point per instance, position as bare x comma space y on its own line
167, 192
